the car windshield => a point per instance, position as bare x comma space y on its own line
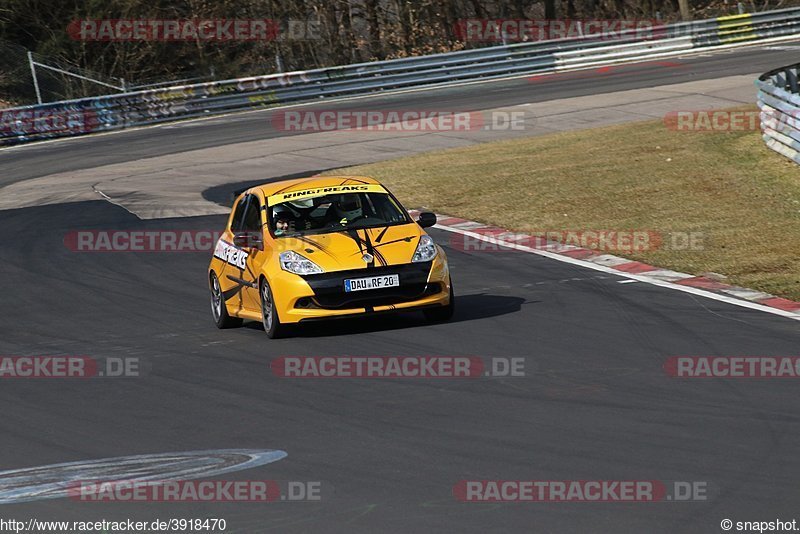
335, 213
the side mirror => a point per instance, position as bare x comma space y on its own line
426, 219
248, 240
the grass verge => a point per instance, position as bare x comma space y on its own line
742, 197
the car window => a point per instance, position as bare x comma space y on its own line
252, 215
384, 208
236, 222
335, 213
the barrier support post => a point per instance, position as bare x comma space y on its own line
35, 80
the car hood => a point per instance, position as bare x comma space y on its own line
340, 251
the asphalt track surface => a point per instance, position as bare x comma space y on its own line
595, 403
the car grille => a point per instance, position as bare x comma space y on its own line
329, 290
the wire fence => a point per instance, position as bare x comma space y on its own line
16, 82
30, 78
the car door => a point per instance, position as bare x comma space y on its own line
258, 251
229, 273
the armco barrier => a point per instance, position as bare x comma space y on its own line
779, 100
104, 113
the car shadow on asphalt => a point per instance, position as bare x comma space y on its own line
225, 194
468, 308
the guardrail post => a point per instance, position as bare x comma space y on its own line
35, 81
780, 79
791, 78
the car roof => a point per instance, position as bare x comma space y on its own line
299, 184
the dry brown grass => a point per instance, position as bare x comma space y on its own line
741, 195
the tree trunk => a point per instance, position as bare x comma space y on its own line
479, 11
405, 24
373, 24
686, 13
550, 9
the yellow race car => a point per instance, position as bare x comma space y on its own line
325, 247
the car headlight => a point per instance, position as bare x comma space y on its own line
295, 263
426, 250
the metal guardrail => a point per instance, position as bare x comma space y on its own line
779, 100
112, 112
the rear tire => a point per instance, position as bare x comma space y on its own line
443, 313
269, 313
218, 309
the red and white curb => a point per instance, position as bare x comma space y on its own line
634, 270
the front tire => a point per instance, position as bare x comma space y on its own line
218, 309
443, 313
269, 313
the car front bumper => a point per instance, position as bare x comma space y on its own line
318, 297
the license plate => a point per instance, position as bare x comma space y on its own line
372, 282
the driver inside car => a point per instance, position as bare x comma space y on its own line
345, 208
283, 219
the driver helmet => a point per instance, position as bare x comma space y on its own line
282, 214
348, 206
